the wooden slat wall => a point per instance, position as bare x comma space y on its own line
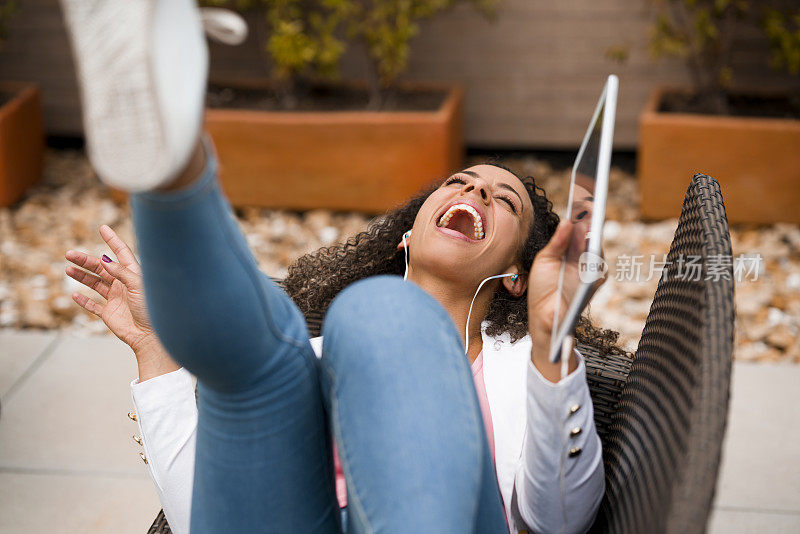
532, 76
37, 50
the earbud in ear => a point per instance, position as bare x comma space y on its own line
405, 251
514, 277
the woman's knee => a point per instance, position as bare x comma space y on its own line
382, 301
378, 317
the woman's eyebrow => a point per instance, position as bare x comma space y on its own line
511, 188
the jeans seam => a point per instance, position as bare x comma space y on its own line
476, 441
325, 451
257, 283
185, 198
353, 498
464, 385
469, 388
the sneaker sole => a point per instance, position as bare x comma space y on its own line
121, 116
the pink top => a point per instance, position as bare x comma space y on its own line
483, 401
341, 487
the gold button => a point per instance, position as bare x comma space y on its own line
575, 451
132, 416
574, 408
572, 433
143, 457
137, 439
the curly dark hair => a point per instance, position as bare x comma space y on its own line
315, 279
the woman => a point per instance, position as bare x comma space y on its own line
393, 384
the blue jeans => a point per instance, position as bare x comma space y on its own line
393, 386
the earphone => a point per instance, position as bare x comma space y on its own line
405, 251
564, 363
513, 276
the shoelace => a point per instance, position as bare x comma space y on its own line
223, 25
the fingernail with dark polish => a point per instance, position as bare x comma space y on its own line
106, 259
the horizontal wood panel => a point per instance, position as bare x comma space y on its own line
532, 75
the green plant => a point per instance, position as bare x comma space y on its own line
302, 38
701, 33
782, 28
618, 53
7, 8
305, 39
385, 29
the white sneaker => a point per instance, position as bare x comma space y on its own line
142, 67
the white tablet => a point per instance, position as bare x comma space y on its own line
586, 208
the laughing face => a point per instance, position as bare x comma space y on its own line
473, 226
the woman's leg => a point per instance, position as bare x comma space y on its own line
405, 414
263, 461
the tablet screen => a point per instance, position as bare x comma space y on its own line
586, 204
581, 202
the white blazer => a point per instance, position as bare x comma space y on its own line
542, 432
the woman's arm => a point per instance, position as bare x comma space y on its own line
163, 395
167, 415
560, 482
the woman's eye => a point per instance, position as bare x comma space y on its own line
455, 180
510, 203
581, 215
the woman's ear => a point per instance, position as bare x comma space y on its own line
517, 284
404, 241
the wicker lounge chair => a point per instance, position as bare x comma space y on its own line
662, 450
662, 416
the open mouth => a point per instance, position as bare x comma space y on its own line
463, 219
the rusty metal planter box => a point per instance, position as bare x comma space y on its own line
355, 160
755, 160
21, 141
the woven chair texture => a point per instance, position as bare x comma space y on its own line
160, 525
661, 417
662, 452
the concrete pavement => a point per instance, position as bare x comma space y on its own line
67, 459
68, 463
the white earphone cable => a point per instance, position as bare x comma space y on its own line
469, 313
565, 354
405, 251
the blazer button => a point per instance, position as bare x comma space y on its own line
132, 416
137, 439
574, 408
572, 433
143, 457
575, 451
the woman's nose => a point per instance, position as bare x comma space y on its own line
480, 187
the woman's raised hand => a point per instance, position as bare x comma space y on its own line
544, 298
124, 310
